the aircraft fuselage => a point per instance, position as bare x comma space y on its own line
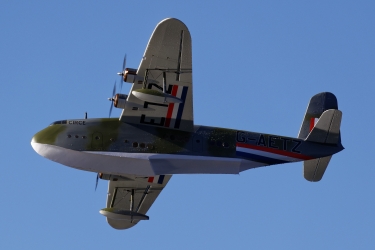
111, 146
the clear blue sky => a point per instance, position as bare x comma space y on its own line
255, 66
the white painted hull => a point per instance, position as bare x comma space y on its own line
142, 164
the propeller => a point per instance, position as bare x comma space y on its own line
112, 99
97, 179
122, 73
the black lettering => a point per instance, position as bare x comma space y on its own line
152, 121
294, 149
145, 105
271, 142
168, 90
76, 122
250, 139
261, 141
240, 136
285, 141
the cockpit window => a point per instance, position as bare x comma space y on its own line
58, 122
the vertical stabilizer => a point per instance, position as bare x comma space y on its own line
318, 104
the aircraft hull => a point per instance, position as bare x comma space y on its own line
142, 164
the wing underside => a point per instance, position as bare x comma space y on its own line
135, 194
166, 68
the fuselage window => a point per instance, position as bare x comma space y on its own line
135, 144
142, 145
225, 144
69, 136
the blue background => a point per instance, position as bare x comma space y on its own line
256, 64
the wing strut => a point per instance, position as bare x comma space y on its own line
145, 193
164, 82
132, 201
131, 214
179, 56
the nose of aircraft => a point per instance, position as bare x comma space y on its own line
46, 137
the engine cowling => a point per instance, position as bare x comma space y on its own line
130, 75
120, 101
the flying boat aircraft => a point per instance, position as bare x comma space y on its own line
155, 136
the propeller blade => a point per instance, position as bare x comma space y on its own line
123, 72
97, 180
110, 111
124, 63
112, 99
114, 89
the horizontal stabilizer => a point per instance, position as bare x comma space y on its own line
317, 105
327, 129
313, 170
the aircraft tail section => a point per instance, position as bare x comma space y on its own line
327, 129
321, 124
313, 170
318, 104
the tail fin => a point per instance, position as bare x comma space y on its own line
321, 124
318, 104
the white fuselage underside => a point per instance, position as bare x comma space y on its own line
142, 164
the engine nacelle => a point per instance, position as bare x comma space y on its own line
130, 75
120, 101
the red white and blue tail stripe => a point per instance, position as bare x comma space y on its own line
267, 155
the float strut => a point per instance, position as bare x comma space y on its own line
164, 81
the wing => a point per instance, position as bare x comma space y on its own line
167, 60
145, 190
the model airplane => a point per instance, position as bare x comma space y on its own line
156, 137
